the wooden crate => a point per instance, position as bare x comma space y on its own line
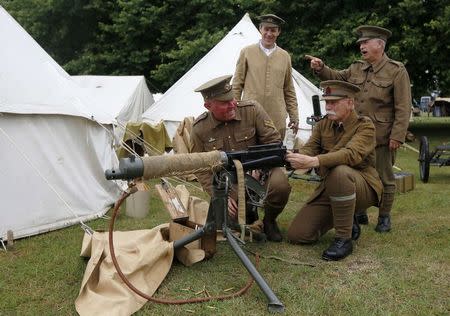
404, 182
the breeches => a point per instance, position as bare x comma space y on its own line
278, 189
385, 159
316, 217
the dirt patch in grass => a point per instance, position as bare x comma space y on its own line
363, 265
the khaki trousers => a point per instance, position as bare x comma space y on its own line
278, 189
316, 217
385, 160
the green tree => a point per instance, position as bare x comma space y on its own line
61, 27
420, 36
163, 39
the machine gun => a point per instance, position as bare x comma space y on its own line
256, 157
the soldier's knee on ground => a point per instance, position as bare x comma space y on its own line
296, 236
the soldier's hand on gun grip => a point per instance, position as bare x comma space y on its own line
256, 174
232, 208
294, 126
299, 161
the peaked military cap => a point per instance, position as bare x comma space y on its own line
366, 32
337, 89
271, 19
217, 89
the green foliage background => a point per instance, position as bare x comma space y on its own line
163, 39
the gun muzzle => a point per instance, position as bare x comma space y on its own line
129, 168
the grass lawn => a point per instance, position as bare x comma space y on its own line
405, 272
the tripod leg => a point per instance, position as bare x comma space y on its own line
189, 238
274, 304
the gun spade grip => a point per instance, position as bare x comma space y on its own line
316, 105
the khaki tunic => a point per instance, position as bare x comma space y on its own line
351, 144
385, 95
268, 80
252, 126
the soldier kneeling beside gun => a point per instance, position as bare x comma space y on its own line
342, 149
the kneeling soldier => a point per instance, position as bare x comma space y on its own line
342, 148
229, 125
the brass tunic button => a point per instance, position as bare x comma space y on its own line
229, 137
245, 137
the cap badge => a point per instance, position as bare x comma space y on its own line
328, 90
211, 140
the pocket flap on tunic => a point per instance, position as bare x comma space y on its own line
384, 117
383, 83
356, 80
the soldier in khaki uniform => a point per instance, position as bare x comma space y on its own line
385, 97
264, 73
229, 125
342, 148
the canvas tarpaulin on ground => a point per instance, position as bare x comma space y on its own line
145, 258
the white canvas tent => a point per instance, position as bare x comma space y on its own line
53, 149
181, 101
126, 97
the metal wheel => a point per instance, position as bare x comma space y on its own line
424, 159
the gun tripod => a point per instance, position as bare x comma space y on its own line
256, 157
216, 219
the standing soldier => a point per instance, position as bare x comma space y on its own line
264, 74
385, 97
